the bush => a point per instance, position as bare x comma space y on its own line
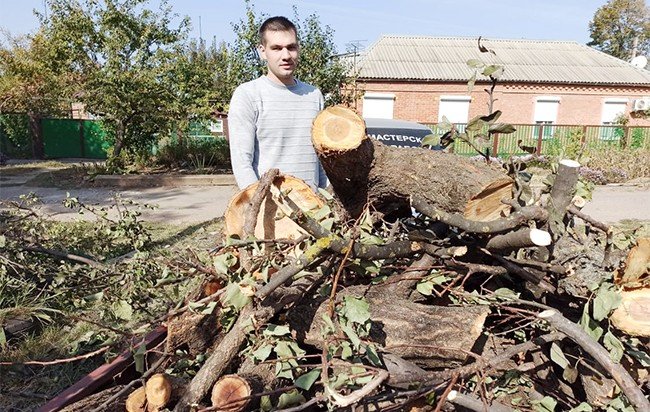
196, 152
619, 165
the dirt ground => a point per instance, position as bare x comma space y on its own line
193, 204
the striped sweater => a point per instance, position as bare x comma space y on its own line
270, 127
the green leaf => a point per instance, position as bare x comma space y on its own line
606, 300
3, 241
291, 398
3, 338
327, 195
444, 124
265, 403
583, 407
346, 350
234, 297
123, 310
589, 325
475, 124
356, 310
223, 262
558, 357
263, 352
96, 297
430, 140
475, 63
425, 288
328, 327
492, 117
306, 380
373, 357
570, 374
209, 308
276, 330
506, 294
283, 370
352, 335
642, 357
546, 404
493, 70
471, 82
138, 358
614, 346
503, 128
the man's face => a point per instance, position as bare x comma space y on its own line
280, 50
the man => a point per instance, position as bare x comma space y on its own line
270, 117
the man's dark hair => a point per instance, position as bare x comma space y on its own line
277, 23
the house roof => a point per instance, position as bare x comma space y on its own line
537, 61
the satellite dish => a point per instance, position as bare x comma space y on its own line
639, 61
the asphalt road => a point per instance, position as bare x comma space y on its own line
193, 204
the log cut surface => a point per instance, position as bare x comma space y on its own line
268, 225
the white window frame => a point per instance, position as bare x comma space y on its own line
377, 100
609, 133
458, 99
543, 116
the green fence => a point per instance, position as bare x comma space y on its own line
551, 139
74, 138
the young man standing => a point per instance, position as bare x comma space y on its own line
270, 117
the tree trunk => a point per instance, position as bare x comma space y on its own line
430, 336
119, 138
36, 130
362, 170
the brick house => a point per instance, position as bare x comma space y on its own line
544, 82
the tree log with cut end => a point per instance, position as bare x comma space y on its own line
158, 390
137, 401
519, 239
431, 336
362, 170
268, 227
636, 271
633, 313
231, 393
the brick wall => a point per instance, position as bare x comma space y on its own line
419, 101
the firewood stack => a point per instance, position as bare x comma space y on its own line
419, 272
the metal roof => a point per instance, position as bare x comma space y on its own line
537, 61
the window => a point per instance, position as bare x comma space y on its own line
378, 105
612, 108
455, 109
546, 108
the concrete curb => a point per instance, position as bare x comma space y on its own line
136, 181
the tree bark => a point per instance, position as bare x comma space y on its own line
430, 336
362, 170
36, 129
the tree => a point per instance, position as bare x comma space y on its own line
616, 25
35, 79
125, 53
318, 65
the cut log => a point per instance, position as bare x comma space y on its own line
158, 390
362, 170
268, 226
137, 401
636, 271
228, 390
430, 336
633, 314
522, 238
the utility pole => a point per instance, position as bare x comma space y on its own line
354, 46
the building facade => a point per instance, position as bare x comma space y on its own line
543, 82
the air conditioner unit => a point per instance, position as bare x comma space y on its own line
641, 104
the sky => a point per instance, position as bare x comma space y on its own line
363, 22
